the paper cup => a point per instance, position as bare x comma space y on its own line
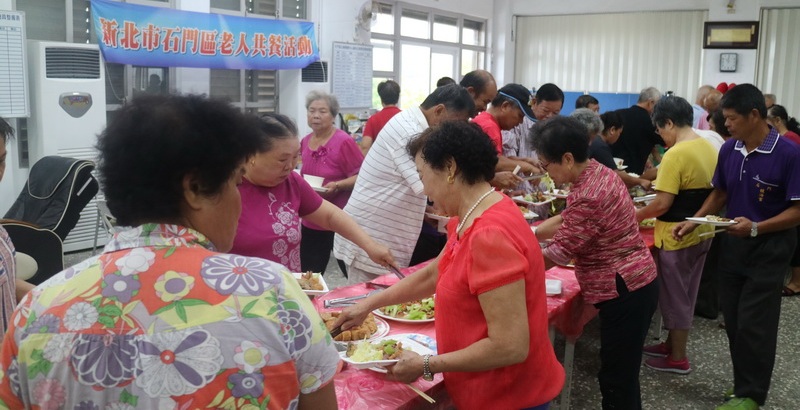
314, 180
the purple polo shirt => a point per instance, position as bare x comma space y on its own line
762, 183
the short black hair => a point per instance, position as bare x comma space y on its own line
454, 97
558, 135
718, 119
612, 119
673, 108
744, 98
584, 101
6, 132
445, 81
389, 91
477, 79
274, 127
470, 148
549, 92
154, 141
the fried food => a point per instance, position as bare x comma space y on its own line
310, 281
715, 218
363, 331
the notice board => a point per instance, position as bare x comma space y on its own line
13, 71
352, 75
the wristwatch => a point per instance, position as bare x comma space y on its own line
426, 368
754, 229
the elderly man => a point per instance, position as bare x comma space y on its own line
699, 114
758, 179
388, 201
639, 137
481, 87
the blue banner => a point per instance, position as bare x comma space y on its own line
162, 37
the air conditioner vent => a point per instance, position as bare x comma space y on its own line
64, 62
316, 72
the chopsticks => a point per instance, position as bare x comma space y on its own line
711, 233
421, 393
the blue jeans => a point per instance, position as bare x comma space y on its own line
539, 407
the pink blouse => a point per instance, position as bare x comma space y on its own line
338, 159
269, 226
601, 233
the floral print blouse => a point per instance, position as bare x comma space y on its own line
160, 320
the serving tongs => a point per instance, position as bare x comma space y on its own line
397, 272
346, 301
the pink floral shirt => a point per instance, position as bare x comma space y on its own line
161, 320
269, 226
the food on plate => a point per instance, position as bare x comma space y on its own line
415, 310
523, 209
363, 331
715, 218
648, 223
365, 351
310, 281
537, 196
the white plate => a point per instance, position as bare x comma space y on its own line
622, 167
530, 215
703, 220
559, 193
522, 200
320, 189
441, 221
322, 282
377, 312
552, 287
407, 339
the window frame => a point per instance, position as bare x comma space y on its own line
399, 40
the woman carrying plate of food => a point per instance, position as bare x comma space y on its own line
491, 308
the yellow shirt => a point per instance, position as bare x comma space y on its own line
687, 165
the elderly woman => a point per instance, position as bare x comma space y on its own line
614, 268
684, 182
786, 126
330, 153
164, 317
274, 198
491, 312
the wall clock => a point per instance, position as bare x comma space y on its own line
727, 62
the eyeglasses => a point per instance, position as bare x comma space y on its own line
544, 164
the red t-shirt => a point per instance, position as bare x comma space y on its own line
792, 137
375, 123
489, 125
498, 249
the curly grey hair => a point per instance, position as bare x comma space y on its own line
330, 99
590, 119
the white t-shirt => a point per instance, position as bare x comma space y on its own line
387, 199
712, 137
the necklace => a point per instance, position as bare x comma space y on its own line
475, 205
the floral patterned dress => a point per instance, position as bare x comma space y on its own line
161, 320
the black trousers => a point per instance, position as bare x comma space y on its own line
751, 277
428, 247
707, 305
315, 250
624, 322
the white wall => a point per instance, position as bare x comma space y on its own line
745, 10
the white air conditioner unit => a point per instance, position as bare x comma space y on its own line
68, 111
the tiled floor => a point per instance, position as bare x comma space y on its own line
708, 352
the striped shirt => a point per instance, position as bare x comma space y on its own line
8, 297
600, 232
387, 200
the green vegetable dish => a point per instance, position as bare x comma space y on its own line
414, 310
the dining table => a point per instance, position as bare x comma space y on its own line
567, 313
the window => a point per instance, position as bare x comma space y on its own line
293, 9
430, 44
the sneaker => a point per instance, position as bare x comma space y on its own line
739, 403
665, 364
729, 394
659, 350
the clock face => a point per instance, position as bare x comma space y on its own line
727, 62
